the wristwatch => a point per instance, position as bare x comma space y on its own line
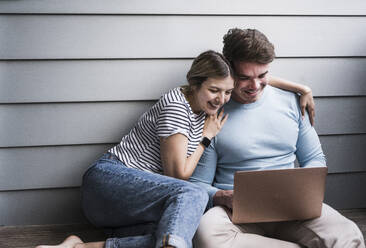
205, 141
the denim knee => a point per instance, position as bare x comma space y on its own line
188, 202
198, 194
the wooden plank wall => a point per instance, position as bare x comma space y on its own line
76, 74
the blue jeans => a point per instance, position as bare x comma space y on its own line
141, 209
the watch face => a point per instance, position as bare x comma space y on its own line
206, 141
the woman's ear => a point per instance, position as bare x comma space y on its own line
235, 82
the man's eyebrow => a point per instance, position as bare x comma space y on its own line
245, 76
263, 73
242, 75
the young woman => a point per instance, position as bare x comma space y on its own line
134, 190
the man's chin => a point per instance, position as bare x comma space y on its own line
253, 97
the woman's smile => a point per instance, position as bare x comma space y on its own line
214, 106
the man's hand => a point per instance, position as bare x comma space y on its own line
224, 198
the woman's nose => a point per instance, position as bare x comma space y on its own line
221, 98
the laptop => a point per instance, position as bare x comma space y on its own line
278, 195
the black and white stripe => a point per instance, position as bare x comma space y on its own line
172, 114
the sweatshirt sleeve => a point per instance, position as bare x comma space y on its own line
204, 173
308, 148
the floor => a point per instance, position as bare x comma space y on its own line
31, 236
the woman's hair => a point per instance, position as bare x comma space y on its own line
209, 64
247, 45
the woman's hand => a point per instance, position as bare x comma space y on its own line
213, 124
307, 103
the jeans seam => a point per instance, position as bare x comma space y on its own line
173, 227
166, 240
140, 178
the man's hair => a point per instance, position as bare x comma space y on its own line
209, 64
249, 45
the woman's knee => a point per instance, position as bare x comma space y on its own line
195, 193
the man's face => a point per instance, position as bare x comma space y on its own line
251, 78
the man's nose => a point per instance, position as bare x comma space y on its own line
255, 84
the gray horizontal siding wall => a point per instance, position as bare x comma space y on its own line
201, 7
44, 80
155, 36
76, 75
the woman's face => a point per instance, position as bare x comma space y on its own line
213, 93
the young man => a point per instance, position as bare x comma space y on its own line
264, 130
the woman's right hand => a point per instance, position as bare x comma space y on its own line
307, 103
213, 124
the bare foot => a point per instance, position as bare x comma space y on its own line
70, 242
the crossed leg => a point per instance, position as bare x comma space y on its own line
217, 230
331, 229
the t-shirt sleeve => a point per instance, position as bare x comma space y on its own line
309, 152
173, 119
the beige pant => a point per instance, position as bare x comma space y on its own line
331, 229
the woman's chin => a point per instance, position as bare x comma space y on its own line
211, 111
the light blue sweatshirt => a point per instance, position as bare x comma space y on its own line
266, 134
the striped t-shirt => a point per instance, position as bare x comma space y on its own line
172, 114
